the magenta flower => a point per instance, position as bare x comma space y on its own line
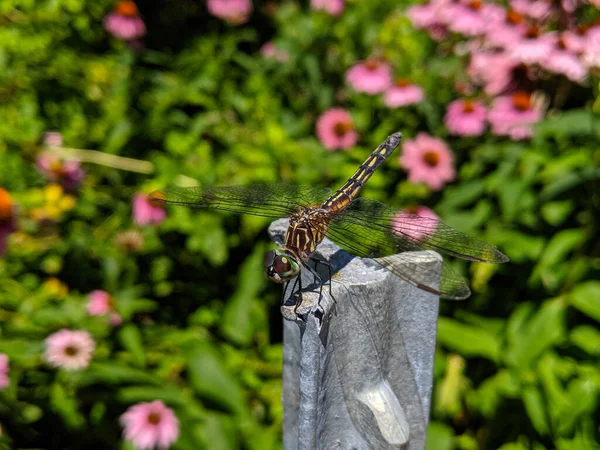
101, 303
270, 51
69, 350
125, 22
7, 218
514, 115
466, 117
67, 173
428, 160
331, 7
533, 47
565, 63
4, 369
335, 129
372, 76
403, 93
416, 223
146, 211
472, 17
149, 425
234, 12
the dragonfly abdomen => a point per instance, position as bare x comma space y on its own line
350, 189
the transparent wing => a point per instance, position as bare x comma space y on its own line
273, 200
371, 229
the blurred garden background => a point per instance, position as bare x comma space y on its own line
126, 325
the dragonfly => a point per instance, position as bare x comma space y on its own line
364, 227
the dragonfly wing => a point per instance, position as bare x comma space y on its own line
273, 200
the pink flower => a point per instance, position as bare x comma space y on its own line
70, 350
471, 17
331, 7
67, 173
494, 81
507, 31
234, 12
403, 93
533, 48
268, 50
7, 218
4, 369
52, 139
124, 22
428, 160
335, 129
514, 115
416, 223
466, 117
372, 76
146, 211
574, 40
150, 424
535, 9
591, 52
564, 62
431, 17
101, 303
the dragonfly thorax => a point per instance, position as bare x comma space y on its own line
281, 266
306, 230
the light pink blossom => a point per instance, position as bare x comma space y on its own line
507, 31
494, 81
471, 17
466, 117
52, 139
564, 62
8, 223
234, 12
591, 52
101, 303
150, 425
146, 211
331, 7
69, 350
335, 129
574, 40
533, 48
428, 160
536, 9
514, 116
416, 223
124, 22
270, 51
372, 76
431, 16
403, 93
68, 173
4, 369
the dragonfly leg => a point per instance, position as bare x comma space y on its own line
328, 265
299, 299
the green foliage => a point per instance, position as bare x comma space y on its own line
518, 363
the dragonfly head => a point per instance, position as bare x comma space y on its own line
281, 266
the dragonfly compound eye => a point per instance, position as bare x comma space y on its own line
280, 267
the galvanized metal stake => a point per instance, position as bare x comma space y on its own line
358, 367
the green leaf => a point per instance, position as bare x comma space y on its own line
114, 373
586, 298
468, 340
65, 404
131, 339
586, 338
557, 212
439, 437
536, 409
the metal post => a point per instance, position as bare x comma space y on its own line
358, 368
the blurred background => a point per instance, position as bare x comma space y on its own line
126, 325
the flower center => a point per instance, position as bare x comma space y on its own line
126, 8
475, 5
6, 205
431, 158
341, 128
533, 32
513, 17
411, 210
372, 64
468, 106
154, 418
71, 350
561, 44
522, 100
402, 82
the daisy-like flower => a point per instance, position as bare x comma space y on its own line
4, 369
101, 303
372, 76
131, 240
431, 17
591, 51
331, 7
52, 139
67, 173
146, 211
466, 117
270, 51
235, 12
416, 222
574, 39
471, 17
335, 129
69, 350
403, 93
535, 9
125, 22
505, 32
565, 63
7, 218
533, 48
493, 81
428, 160
150, 425
514, 116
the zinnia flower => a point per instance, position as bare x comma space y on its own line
124, 22
70, 350
234, 12
466, 117
403, 93
514, 115
101, 303
149, 425
372, 76
428, 160
68, 174
7, 218
335, 129
416, 222
4, 368
146, 211
331, 7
